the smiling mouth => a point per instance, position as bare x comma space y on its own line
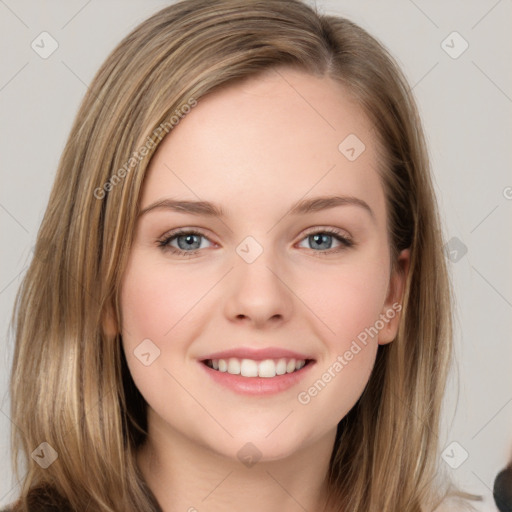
267, 368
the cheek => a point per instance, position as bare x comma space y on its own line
346, 298
157, 304
334, 303
155, 299
338, 381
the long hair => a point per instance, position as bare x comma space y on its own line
70, 385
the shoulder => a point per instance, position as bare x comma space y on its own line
41, 499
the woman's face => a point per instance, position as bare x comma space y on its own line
287, 264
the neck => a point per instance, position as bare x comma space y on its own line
185, 475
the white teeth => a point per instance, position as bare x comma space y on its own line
281, 367
249, 368
267, 368
234, 366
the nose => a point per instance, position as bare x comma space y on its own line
258, 294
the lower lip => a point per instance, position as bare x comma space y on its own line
258, 385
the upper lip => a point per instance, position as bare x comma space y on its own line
257, 354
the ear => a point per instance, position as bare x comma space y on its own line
109, 323
392, 308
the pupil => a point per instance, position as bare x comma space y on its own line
320, 240
188, 242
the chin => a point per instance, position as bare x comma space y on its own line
249, 449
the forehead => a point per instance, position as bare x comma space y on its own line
271, 139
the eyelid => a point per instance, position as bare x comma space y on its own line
345, 240
184, 231
327, 229
163, 241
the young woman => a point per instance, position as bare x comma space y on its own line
238, 299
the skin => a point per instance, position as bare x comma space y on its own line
256, 148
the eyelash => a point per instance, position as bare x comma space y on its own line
346, 242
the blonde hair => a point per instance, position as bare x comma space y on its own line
70, 385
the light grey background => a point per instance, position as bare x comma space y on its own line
466, 107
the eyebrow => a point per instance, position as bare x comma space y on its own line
302, 207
